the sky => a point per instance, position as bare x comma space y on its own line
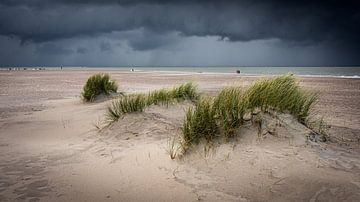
179, 33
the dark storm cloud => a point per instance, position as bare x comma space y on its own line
78, 31
81, 50
51, 49
301, 22
105, 46
143, 39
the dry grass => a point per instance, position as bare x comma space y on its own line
173, 147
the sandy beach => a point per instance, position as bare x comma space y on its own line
50, 149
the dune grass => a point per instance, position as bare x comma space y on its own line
230, 107
223, 115
200, 123
173, 147
283, 94
96, 85
126, 104
138, 102
185, 91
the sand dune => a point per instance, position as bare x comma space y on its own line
50, 149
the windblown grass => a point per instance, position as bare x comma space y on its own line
200, 122
126, 104
184, 91
221, 116
96, 85
156, 97
225, 114
281, 94
230, 107
138, 102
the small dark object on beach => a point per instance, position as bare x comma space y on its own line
238, 71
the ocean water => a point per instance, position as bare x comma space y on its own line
347, 72
301, 71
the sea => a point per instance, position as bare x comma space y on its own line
345, 72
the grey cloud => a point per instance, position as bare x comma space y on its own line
52, 49
295, 21
81, 50
147, 27
105, 46
188, 51
142, 39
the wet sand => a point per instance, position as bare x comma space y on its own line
51, 151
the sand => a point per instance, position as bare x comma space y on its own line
50, 149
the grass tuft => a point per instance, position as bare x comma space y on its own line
158, 97
185, 91
200, 122
138, 102
225, 114
173, 147
283, 94
96, 85
230, 107
126, 104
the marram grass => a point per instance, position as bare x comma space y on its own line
200, 123
283, 94
184, 91
221, 117
230, 107
126, 104
96, 85
138, 102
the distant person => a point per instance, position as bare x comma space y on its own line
61, 67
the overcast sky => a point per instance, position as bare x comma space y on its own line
179, 33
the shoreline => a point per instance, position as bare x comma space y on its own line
176, 72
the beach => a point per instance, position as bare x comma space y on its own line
51, 149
